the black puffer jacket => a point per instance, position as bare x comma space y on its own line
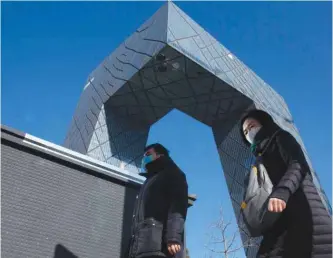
304, 229
160, 212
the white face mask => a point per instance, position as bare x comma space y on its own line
252, 133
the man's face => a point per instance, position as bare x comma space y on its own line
153, 153
149, 156
250, 123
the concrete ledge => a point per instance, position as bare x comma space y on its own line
11, 131
191, 199
48, 148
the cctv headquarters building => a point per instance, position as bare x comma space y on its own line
169, 62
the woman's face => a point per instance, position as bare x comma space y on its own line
250, 128
250, 123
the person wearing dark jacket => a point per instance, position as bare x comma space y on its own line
161, 207
304, 228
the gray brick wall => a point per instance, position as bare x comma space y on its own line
55, 208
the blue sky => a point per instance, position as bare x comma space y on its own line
49, 48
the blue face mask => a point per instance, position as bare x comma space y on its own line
145, 161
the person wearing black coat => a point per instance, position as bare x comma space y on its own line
161, 207
304, 228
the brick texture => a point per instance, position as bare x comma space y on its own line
49, 203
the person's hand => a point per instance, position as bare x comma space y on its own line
276, 205
173, 248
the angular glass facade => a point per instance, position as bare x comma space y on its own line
171, 62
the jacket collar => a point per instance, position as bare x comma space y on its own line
263, 140
157, 166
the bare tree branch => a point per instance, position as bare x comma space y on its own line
225, 242
232, 241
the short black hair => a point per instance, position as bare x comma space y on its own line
159, 148
261, 116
